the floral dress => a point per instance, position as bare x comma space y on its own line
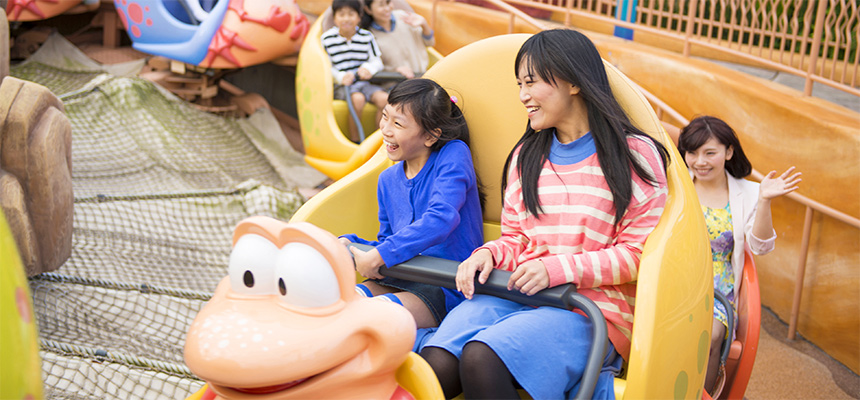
719, 222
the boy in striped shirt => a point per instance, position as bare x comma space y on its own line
355, 58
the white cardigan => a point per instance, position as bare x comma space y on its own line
743, 198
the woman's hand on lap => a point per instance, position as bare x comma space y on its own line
529, 278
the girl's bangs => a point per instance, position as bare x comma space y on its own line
535, 66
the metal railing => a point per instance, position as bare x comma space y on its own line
663, 110
816, 40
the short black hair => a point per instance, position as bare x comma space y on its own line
704, 127
353, 4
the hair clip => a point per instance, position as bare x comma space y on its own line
454, 99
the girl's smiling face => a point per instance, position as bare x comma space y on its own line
404, 139
380, 10
550, 105
708, 162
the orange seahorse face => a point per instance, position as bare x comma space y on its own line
286, 322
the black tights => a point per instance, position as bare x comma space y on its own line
447, 369
481, 371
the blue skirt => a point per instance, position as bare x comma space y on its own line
545, 348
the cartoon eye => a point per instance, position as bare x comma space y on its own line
252, 265
305, 278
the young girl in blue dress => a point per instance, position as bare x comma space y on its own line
737, 211
429, 201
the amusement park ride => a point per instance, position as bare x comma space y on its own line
210, 34
298, 330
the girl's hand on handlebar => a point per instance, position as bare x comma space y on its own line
367, 263
481, 260
529, 278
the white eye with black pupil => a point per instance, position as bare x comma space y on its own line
252, 265
305, 278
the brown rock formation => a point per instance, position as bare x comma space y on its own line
35, 173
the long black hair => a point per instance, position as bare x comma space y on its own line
569, 56
702, 128
435, 111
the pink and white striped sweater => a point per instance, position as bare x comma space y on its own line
575, 236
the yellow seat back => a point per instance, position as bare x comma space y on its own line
674, 297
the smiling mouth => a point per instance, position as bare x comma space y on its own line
391, 146
270, 389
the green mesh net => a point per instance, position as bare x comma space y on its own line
159, 186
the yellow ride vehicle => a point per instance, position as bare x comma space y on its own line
674, 297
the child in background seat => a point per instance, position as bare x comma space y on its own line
355, 58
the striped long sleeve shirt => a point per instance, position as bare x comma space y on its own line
348, 55
576, 237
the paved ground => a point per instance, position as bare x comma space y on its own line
796, 369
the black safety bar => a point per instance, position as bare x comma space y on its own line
352, 113
383, 77
441, 272
730, 316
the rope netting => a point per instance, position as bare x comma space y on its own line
158, 186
